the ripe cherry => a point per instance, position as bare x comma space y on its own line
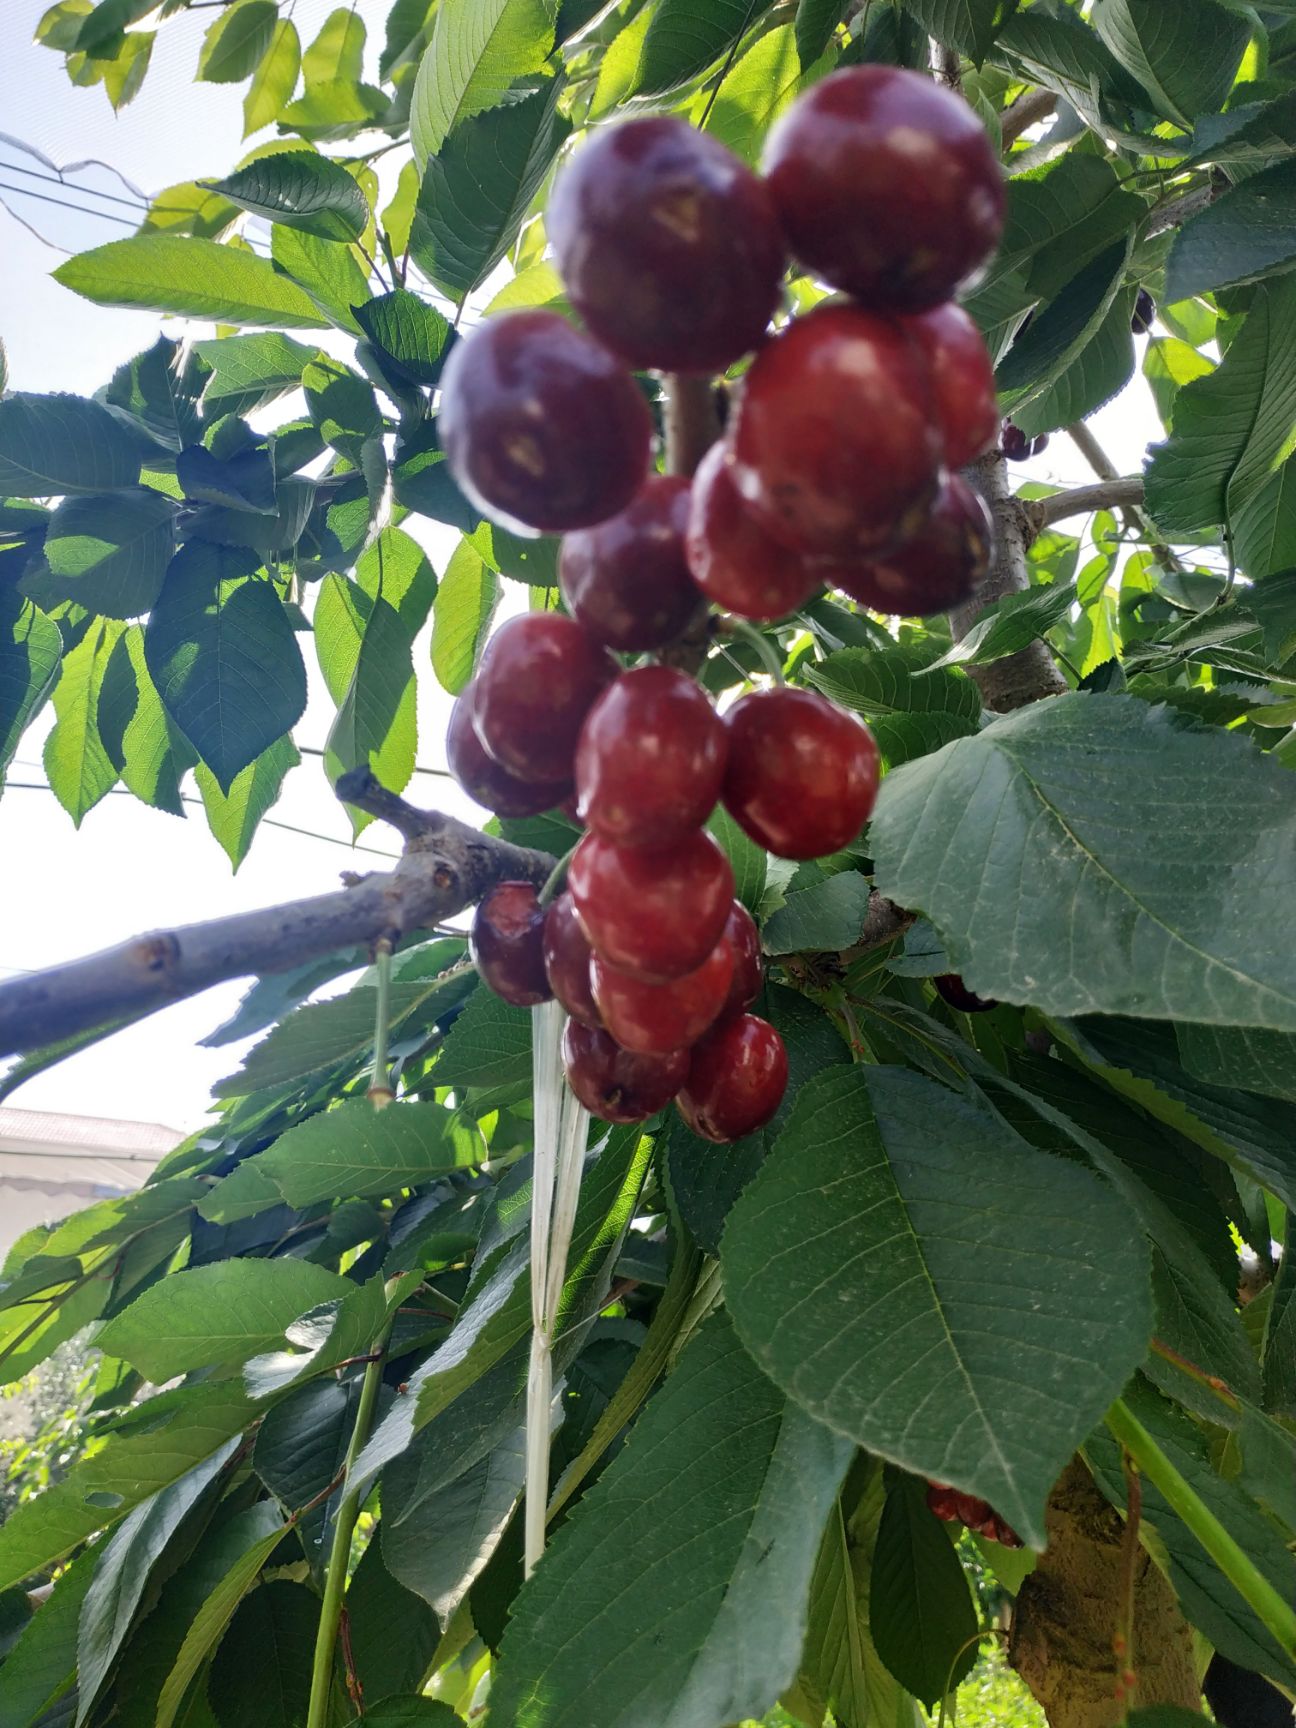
951, 988
834, 440
668, 246
802, 772
655, 912
887, 186
938, 567
654, 1019
536, 681
962, 378
567, 961
651, 758
487, 781
736, 1079
506, 942
615, 1084
748, 975
1040, 444
1014, 443
543, 429
734, 560
626, 582
1143, 314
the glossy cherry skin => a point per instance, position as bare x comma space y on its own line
506, 943
803, 773
486, 781
962, 381
736, 1079
886, 185
951, 988
668, 246
835, 443
542, 428
651, 758
567, 962
735, 561
537, 680
1014, 443
655, 913
655, 1019
748, 974
938, 567
618, 1085
626, 582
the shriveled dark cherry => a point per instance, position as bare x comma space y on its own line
487, 781
537, 680
667, 244
802, 772
886, 185
655, 912
735, 561
962, 379
951, 988
938, 567
542, 428
1014, 443
736, 1080
748, 974
655, 1019
835, 444
615, 1084
651, 758
567, 961
626, 582
1144, 313
507, 944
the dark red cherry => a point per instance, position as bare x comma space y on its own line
971, 1510
748, 975
654, 1019
835, 445
626, 582
487, 781
667, 244
736, 1079
615, 1084
655, 912
537, 680
962, 378
1014, 443
936, 568
951, 988
567, 961
886, 185
542, 428
651, 758
507, 946
943, 1501
802, 774
1039, 444
1143, 314
1002, 1533
734, 560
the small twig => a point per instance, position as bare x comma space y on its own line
380, 1093
1083, 501
1029, 108
1123, 1637
1178, 210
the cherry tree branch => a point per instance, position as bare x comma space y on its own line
1031, 106
1178, 210
1115, 494
691, 422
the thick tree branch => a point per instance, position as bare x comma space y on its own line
1031, 106
445, 867
1117, 494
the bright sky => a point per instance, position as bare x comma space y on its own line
130, 869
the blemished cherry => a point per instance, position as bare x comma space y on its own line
802, 774
667, 244
626, 582
542, 428
735, 561
736, 1079
651, 757
618, 1085
748, 975
962, 379
567, 961
507, 944
1014, 443
951, 988
938, 567
655, 912
654, 1019
835, 444
486, 781
537, 679
886, 185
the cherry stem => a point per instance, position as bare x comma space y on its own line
557, 876
759, 643
380, 1092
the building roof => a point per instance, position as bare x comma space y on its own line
50, 1134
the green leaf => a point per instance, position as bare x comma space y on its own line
1280, 1343
1062, 330
330, 275
1248, 233
755, 91
893, 681
193, 277
30, 649
488, 1045
100, 34
1009, 624
1101, 369
394, 1634
1015, 805
1185, 56
749, 861
78, 767
968, 25
275, 79
465, 604
316, 1037
923, 1621
376, 725
411, 334
1244, 1056
414, 1711
250, 372
337, 53
42, 1667
62, 444
342, 407
161, 387
422, 481
234, 814
300, 1450
685, 37
236, 41
720, 1623
299, 189
478, 49
829, 914
261, 1674
816, 21
845, 1265
109, 551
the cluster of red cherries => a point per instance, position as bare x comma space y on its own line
956, 1508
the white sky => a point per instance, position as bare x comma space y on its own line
130, 868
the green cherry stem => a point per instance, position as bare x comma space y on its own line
556, 877
760, 644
